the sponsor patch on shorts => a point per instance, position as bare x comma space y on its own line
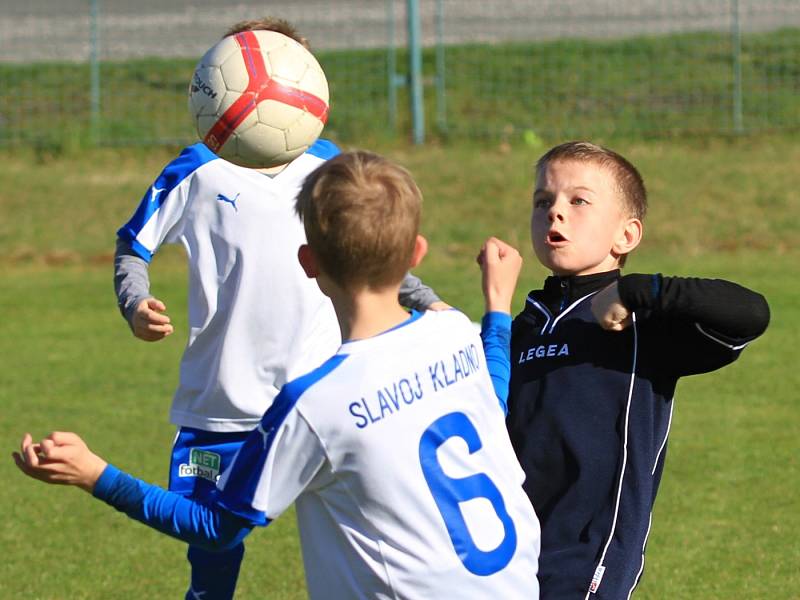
202, 463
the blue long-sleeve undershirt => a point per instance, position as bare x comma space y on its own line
496, 336
209, 526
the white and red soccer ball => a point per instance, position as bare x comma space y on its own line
258, 98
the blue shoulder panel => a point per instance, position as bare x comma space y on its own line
240, 487
192, 158
324, 149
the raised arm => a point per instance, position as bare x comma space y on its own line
705, 323
500, 266
721, 308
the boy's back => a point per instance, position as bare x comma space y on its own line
411, 485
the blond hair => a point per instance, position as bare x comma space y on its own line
629, 182
361, 215
269, 24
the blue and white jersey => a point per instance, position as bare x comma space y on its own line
396, 454
255, 320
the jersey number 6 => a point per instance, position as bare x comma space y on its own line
449, 492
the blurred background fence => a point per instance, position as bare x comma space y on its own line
115, 72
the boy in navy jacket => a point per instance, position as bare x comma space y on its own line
595, 358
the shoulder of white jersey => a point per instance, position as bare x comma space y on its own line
454, 316
453, 320
236, 483
324, 149
292, 391
199, 153
296, 171
176, 172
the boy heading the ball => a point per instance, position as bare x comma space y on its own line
595, 359
255, 320
394, 451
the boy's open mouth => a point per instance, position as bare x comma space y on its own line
554, 237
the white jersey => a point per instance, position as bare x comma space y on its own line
255, 320
396, 453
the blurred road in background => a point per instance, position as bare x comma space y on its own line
52, 30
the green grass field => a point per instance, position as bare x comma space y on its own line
725, 523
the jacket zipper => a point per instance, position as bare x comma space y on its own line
564, 296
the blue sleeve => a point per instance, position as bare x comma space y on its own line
207, 525
496, 336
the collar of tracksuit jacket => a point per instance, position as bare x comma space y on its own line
559, 292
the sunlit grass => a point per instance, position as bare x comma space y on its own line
725, 521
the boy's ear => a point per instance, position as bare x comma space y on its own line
629, 237
420, 250
308, 261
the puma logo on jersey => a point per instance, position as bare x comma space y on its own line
154, 192
543, 351
224, 198
265, 434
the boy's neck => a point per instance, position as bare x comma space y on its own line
367, 313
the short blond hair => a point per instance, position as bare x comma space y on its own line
361, 215
629, 182
269, 24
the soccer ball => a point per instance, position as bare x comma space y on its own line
258, 99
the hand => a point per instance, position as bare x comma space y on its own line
61, 458
608, 309
149, 322
439, 305
500, 265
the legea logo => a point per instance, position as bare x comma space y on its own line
202, 463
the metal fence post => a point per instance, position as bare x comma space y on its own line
391, 66
441, 90
415, 71
736, 42
94, 74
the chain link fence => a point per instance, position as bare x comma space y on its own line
116, 72
578, 68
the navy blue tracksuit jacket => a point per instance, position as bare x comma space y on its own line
590, 411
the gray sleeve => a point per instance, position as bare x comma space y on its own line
415, 294
131, 279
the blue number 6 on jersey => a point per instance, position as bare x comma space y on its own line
448, 493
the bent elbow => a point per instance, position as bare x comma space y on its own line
761, 315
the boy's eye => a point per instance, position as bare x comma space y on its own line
541, 202
579, 201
